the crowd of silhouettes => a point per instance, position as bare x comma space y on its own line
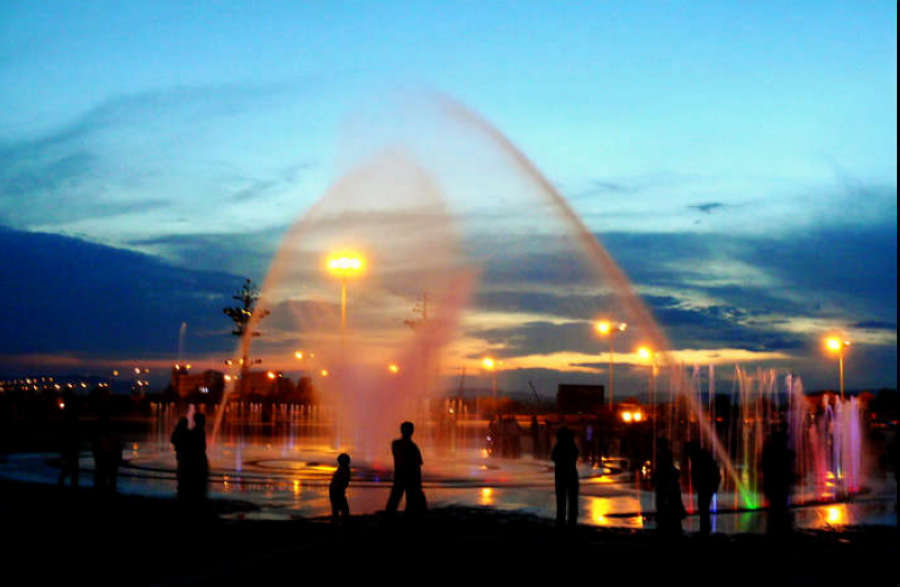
189, 441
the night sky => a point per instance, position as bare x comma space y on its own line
737, 160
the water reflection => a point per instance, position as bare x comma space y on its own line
254, 462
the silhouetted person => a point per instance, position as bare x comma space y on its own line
337, 489
777, 464
511, 437
535, 431
565, 457
669, 507
407, 473
192, 471
70, 441
107, 449
548, 436
705, 477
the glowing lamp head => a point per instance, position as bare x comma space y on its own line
488, 363
835, 344
270, 374
345, 264
324, 372
637, 416
603, 327
298, 354
627, 416
645, 353
394, 368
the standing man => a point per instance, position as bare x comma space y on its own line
705, 477
565, 457
407, 473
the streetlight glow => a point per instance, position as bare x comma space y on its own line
606, 328
837, 345
645, 353
394, 368
488, 363
345, 264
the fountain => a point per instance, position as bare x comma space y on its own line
435, 207
436, 202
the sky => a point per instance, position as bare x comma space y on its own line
738, 160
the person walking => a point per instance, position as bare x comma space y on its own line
565, 457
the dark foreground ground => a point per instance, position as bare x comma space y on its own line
56, 535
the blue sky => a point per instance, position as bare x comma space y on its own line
757, 140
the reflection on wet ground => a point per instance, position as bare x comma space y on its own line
292, 480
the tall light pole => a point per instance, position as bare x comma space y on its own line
490, 365
606, 328
647, 354
344, 266
837, 345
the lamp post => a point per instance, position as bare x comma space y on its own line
647, 354
344, 266
837, 345
490, 365
606, 328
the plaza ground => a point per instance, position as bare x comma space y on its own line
55, 535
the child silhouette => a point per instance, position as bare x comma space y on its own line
338, 487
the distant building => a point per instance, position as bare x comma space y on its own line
256, 386
206, 386
579, 399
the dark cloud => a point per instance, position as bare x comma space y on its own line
73, 296
707, 207
876, 325
244, 253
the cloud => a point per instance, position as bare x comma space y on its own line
150, 159
876, 325
707, 207
79, 298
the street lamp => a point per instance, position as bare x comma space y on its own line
647, 354
393, 368
606, 328
490, 364
344, 266
837, 345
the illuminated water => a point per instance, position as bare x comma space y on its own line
285, 470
